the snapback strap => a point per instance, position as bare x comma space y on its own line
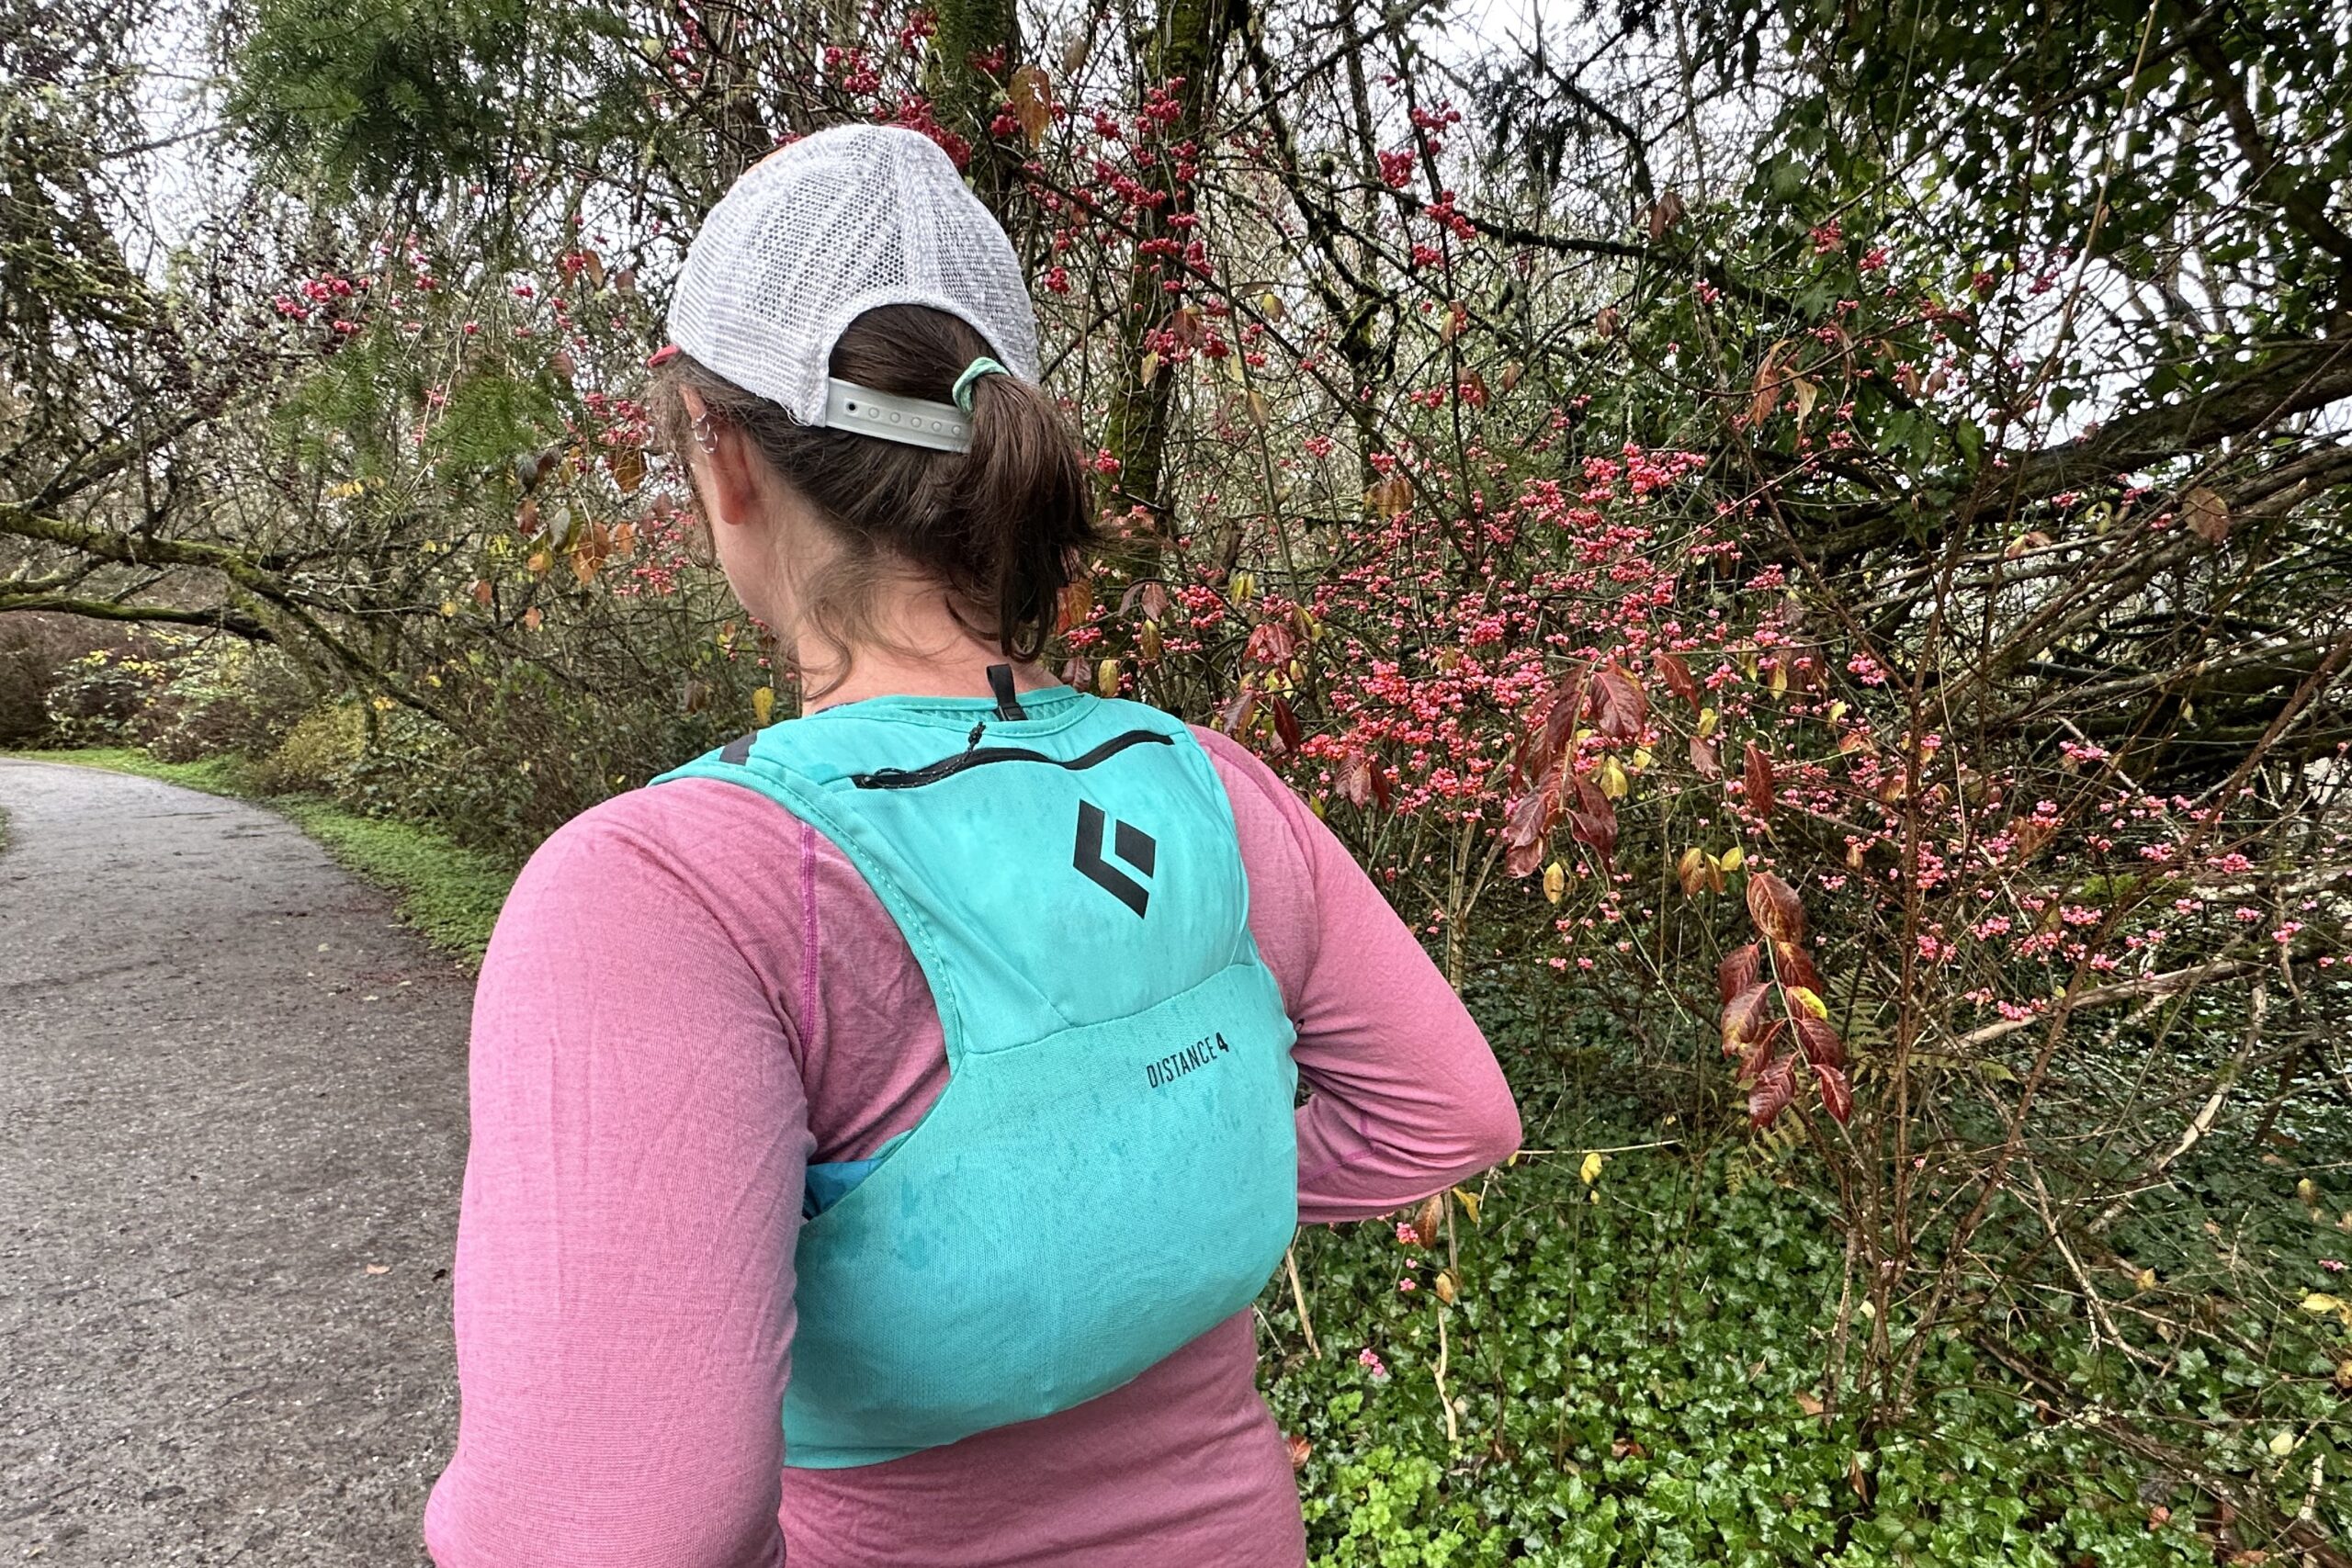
941, 427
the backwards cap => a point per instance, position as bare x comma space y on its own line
825, 229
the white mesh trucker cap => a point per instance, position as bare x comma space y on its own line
817, 233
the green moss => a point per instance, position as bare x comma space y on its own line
448, 893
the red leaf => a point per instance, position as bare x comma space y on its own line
1622, 707
1794, 966
1836, 1095
1553, 724
1523, 835
1676, 676
1271, 642
1355, 779
1819, 1043
1154, 595
1773, 904
1595, 821
1300, 1452
1775, 1087
1759, 783
1236, 712
1663, 214
1760, 1055
1286, 728
1739, 970
1743, 1016
1703, 758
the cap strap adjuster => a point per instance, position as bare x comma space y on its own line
916, 422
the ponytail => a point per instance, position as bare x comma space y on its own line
1001, 527
1029, 508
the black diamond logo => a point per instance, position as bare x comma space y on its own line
1130, 843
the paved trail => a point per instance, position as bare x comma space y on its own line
230, 1088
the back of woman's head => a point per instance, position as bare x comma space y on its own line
999, 527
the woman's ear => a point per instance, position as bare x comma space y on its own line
722, 464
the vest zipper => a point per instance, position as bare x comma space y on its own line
948, 767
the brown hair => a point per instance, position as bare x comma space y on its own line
999, 528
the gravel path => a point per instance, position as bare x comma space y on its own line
231, 1129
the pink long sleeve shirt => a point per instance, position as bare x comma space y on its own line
690, 996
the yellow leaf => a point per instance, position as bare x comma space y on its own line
1390, 497
1837, 710
1444, 1285
1708, 719
1805, 999
1107, 678
2308, 1193
1244, 586
763, 704
1147, 642
1150, 368
2207, 514
1032, 102
2282, 1444
627, 464
1555, 882
449, 606
2320, 1302
1734, 857
1469, 1201
1641, 758
1590, 1169
2145, 1280
1613, 783
1780, 681
1271, 303
1691, 870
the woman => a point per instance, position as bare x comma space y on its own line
899, 1101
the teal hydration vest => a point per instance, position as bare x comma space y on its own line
1112, 1169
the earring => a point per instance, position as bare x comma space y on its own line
706, 438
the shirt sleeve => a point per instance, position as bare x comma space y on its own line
1406, 1097
632, 1197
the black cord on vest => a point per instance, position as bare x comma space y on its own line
1008, 704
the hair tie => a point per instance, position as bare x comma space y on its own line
978, 367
